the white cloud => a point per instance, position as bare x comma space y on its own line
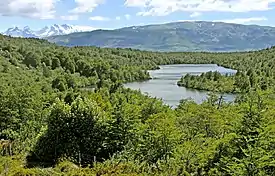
69, 17
185, 21
165, 7
41, 9
195, 14
136, 3
118, 18
85, 28
127, 16
99, 18
243, 20
251, 20
84, 6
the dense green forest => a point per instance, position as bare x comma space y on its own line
64, 111
213, 81
255, 71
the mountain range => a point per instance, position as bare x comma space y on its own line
47, 31
178, 36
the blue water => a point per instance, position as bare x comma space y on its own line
164, 83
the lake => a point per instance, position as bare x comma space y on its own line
164, 83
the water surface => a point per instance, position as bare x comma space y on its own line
164, 83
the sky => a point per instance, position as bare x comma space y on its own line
111, 14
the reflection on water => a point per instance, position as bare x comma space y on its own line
164, 83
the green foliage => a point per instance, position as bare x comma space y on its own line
255, 71
73, 132
211, 81
66, 112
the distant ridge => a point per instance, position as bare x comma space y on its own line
176, 36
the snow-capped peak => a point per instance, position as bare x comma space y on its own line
46, 31
14, 29
17, 32
56, 30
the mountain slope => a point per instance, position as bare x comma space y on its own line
47, 31
181, 36
17, 32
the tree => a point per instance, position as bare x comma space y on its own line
55, 63
59, 83
73, 132
32, 59
243, 154
70, 66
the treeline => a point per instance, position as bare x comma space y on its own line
256, 70
64, 111
217, 82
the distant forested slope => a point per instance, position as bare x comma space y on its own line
180, 36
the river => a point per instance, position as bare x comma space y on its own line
164, 83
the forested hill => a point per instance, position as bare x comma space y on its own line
64, 111
180, 36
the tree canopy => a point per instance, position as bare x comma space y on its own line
64, 111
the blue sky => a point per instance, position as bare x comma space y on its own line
119, 13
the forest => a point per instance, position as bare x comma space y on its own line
64, 111
255, 71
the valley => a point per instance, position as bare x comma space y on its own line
137, 87
68, 111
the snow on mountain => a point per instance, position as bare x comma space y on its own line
61, 30
17, 32
46, 31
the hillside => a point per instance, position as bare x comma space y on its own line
64, 111
181, 36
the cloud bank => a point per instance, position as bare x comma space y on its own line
42, 9
164, 7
